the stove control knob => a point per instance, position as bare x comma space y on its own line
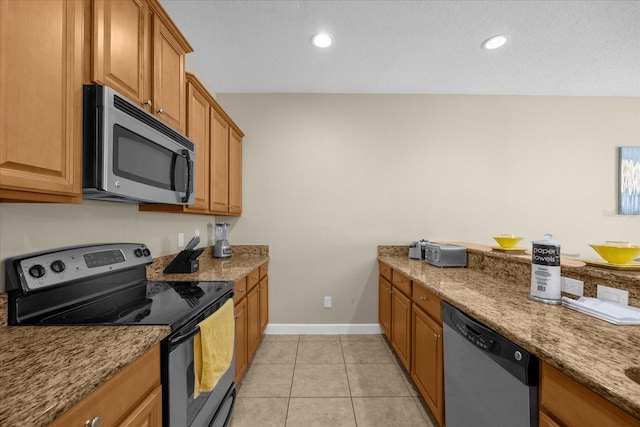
37, 271
58, 266
138, 252
146, 252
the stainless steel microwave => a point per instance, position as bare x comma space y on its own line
131, 156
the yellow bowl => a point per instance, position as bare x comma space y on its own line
507, 241
617, 254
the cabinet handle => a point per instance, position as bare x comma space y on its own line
161, 111
241, 290
236, 316
93, 423
399, 281
148, 102
436, 337
423, 299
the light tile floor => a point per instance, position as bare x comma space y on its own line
327, 381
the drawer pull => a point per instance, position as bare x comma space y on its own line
436, 337
93, 423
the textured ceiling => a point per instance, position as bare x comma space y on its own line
581, 48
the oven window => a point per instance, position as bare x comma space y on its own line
141, 160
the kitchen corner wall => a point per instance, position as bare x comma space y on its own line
329, 177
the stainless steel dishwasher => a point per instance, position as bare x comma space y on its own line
488, 380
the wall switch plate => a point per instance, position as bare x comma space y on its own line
572, 286
614, 295
327, 302
180, 240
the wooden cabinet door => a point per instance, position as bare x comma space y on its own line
426, 360
198, 132
253, 321
148, 413
168, 76
41, 100
546, 421
235, 173
263, 289
401, 326
121, 48
242, 358
384, 306
219, 161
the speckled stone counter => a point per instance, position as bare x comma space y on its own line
46, 370
591, 351
245, 259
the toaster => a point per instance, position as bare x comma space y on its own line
445, 255
416, 249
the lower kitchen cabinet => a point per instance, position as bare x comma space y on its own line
401, 317
566, 403
410, 317
384, 306
242, 361
427, 368
133, 398
252, 315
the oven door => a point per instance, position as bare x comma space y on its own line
181, 409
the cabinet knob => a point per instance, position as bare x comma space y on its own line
436, 336
399, 281
93, 423
161, 111
423, 299
148, 102
236, 316
241, 290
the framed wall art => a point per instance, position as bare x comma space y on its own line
629, 181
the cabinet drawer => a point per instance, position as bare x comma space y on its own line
117, 398
263, 269
253, 278
385, 270
572, 404
240, 289
428, 301
401, 282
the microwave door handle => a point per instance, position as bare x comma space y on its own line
189, 189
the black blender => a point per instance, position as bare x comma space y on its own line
222, 248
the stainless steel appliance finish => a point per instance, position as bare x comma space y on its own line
222, 248
417, 249
106, 285
445, 255
131, 156
488, 380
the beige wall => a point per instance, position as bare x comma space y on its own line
329, 177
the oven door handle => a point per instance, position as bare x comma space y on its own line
176, 341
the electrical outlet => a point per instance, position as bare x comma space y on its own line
197, 232
619, 296
572, 286
327, 302
180, 240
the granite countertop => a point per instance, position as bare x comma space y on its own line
591, 351
46, 370
245, 259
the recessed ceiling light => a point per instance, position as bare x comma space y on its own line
322, 40
496, 41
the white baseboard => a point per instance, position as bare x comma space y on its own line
312, 329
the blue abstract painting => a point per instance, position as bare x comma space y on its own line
629, 181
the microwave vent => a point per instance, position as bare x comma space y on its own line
125, 106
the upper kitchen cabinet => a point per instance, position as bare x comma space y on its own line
218, 140
139, 52
41, 101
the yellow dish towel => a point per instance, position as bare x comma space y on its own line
213, 348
